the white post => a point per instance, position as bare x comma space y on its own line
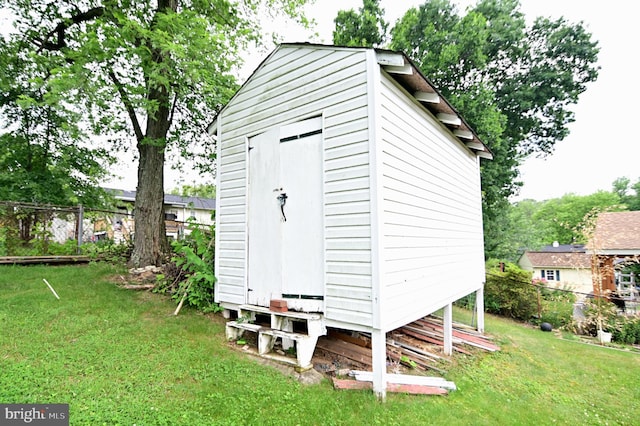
448, 330
79, 230
379, 361
480, 308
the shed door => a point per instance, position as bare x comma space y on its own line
286, 248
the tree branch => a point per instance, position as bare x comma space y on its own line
59, 30
127, 103
173, 109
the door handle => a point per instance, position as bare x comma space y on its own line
283, 200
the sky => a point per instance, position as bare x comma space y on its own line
602, 145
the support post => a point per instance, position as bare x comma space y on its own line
448, 330
379, 361
79, 230
480, 308
287, 325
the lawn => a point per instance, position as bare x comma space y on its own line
120, 357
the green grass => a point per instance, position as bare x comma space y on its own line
121, 357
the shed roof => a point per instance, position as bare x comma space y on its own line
540, 259
616, 233
402, 69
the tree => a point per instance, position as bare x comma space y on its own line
364, 29
513, 83
629, 193
44, 157
621, 187
151, 72
515, 230
562, 217
530, 225
195, 190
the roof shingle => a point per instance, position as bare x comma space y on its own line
616, 231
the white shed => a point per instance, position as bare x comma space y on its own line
349, 188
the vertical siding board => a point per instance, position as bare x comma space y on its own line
294, 84
378, 291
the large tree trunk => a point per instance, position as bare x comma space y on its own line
150, 243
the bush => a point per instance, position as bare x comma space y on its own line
623, 329
556, 307
627, 331
596, 311
108, 250
557, 313
510, 293
191, 270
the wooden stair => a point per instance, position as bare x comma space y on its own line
281, 327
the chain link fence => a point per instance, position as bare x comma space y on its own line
28, 229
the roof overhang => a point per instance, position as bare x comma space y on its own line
399, 67
615, 252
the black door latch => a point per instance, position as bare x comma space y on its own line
283, 200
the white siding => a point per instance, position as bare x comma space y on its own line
293, 84
431, 212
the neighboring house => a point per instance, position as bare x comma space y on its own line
616, 240
564, 266
348, 197
178, 211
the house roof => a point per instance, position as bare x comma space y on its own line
616, 233
541, 259
199, 203
402, 69
564, 248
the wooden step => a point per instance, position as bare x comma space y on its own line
281, 328
243, 326
287, 314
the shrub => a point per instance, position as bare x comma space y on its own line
556, 306
557, 313
627, 331
510, 293
108, 250
596, 311
191, 270
623, 329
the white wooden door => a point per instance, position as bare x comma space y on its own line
286, 242
264, 233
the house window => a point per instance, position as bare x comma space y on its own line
550, 275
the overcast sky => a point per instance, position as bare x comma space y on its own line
603, 144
